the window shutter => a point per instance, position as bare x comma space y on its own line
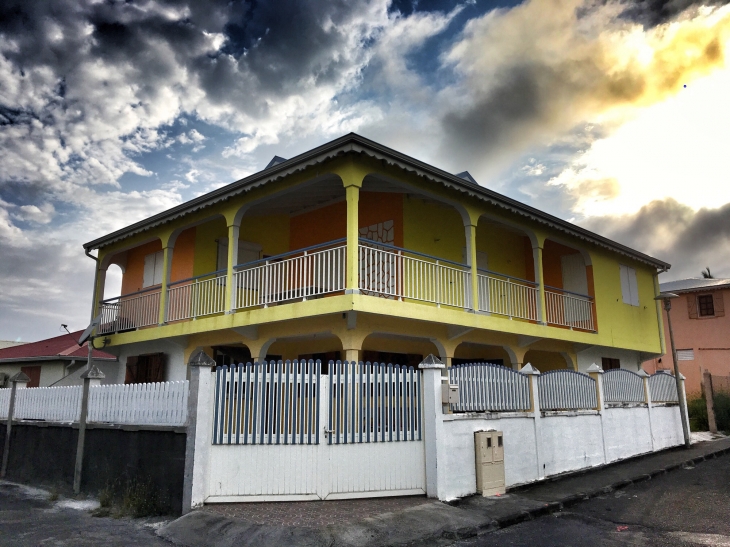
692, 306
149, 270
625, 289
633, 287
131, 375
719, 304
159, 267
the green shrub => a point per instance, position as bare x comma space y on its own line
141, 499
697, 409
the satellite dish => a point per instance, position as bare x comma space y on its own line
87, 333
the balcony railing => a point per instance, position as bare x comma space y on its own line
392, 272
385, 271
197, 297
510, 296
569, 309
130, 311
299, 275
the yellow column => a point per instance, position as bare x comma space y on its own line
471, 249
232, 260
98, 290
166, 267
352, 268
540, 279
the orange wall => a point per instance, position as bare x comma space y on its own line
183, 257
134, 273
552, 267
330, 222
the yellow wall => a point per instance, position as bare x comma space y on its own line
206, 248
271, 232
545, 360
433, 228
505, 249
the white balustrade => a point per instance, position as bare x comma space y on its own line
391, 273
130, 311
196, 297
507, 296
623, 386
308, 275
569, 310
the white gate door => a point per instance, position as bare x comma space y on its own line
284, 431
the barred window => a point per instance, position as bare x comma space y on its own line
706, 305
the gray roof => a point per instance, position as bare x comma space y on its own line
694, 284
353, 143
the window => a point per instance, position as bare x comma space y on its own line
685, 355
609, 363
143, 369
34, 373
153, 266
629, 286
706, 305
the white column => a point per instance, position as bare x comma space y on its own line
432, 418
647, 399
596, 373
198, 443
533, 373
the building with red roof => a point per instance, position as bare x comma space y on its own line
49, 361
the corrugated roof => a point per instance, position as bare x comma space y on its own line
353, 143
694, 284
63, 346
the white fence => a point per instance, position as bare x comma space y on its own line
566, 390
373, 403
663, 388
623, 386
489, 387
308, 275
569, 310
130, 311
506, 296
196, 297
390, 272
163, 403
267, 403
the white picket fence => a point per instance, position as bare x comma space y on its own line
566, 390
489, 387
163, 403
663, 388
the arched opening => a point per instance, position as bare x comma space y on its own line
547, 360
396, 349
113, 281
470, 352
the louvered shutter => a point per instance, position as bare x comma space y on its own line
719, 304
692, 306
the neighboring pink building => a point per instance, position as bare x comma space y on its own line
701, 330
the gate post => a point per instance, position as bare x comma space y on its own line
198, 438
709, 400
432, 416
92, 378
532, 373
22, 379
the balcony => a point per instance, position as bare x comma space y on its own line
384, 271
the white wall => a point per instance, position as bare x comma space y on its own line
627, 432
175, 370
629, 359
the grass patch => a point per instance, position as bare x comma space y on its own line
697, 410
135, 498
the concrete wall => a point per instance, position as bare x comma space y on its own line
45, 455
554, 443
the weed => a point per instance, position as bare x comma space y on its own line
54, 494
697, 409
141, 499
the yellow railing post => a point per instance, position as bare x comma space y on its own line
352, 194
166, 267
540, 279
471, 249
233, 231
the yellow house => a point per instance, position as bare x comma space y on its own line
354, 251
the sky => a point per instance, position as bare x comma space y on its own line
610, 114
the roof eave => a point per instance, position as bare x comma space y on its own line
355, 143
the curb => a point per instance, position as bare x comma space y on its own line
573, 499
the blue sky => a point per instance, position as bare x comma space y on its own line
610, 114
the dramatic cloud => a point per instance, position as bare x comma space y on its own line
536, 71
690, 240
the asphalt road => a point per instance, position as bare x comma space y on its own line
682, 508
29, 518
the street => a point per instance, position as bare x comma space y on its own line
689, 506
28, 518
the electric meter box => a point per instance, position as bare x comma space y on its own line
449, 393
489, 453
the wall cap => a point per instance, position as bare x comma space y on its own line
93, 374
529, 370
201, 359
20, 378
594, 368
431, 361
643, 373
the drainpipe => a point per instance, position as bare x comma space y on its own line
96, 281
